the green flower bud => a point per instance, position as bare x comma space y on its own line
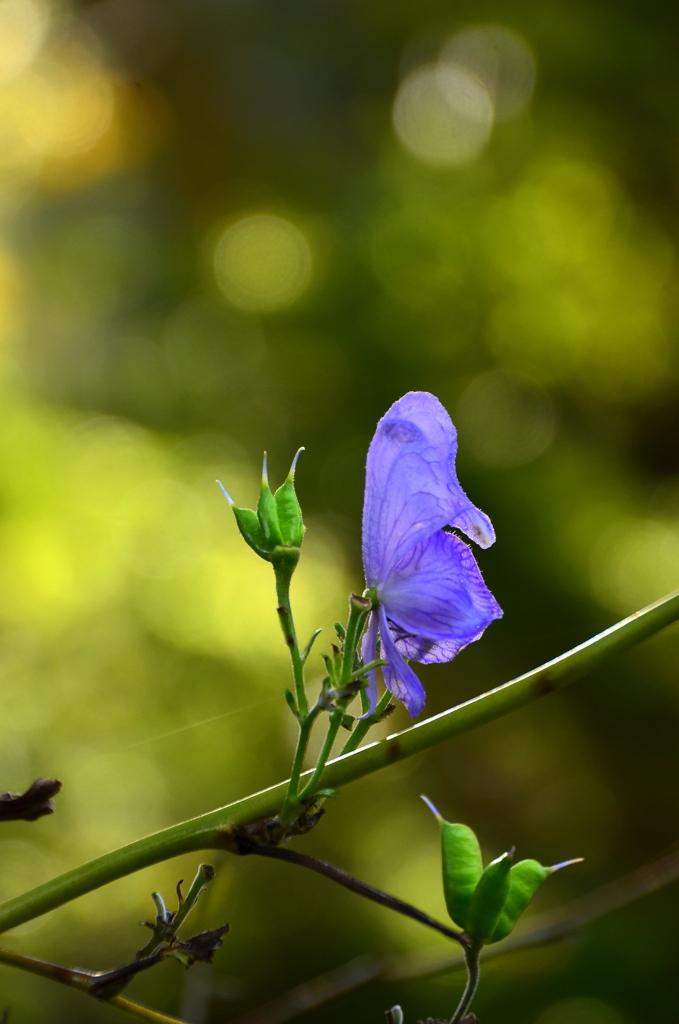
275, 530
462, 866
524, 880
489, 899
289, 512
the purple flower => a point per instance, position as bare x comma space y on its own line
432, 600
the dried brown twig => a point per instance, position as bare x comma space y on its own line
348, 881
31, 805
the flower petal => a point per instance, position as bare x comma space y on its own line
437, 599
423, 649
411, 485
399, 678
368, 654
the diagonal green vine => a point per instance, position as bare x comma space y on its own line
219, 829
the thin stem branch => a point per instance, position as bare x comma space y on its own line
360, 888
283, 578
471, 956
361, 727
306, 718
359, 608
221, 828
85, 982
143, 1012
290, 804
204, 875
333, 728
165, 929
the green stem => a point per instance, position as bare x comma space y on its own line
359, 609
204, 876
316, 775
83, 981
218, 829
290, 806
471, 956
306, 718
361, 728
283, 576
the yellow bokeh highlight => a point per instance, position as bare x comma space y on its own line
499, 58
63, 108
262, 263
59, 108
442, 115
23, 25
138, 126
65, 118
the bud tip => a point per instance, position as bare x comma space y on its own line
432, 807
293, 467
265, 470
226, 493
566, 864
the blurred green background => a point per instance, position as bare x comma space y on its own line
227, 226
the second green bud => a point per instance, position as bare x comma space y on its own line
486, 904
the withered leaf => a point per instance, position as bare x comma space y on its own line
33, 804
201, 947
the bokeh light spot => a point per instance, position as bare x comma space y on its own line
63, 108
262, 263
23, 24
501, 60
505, 421
443, 115
635, 561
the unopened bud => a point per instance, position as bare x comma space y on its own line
524, 880
275, 530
